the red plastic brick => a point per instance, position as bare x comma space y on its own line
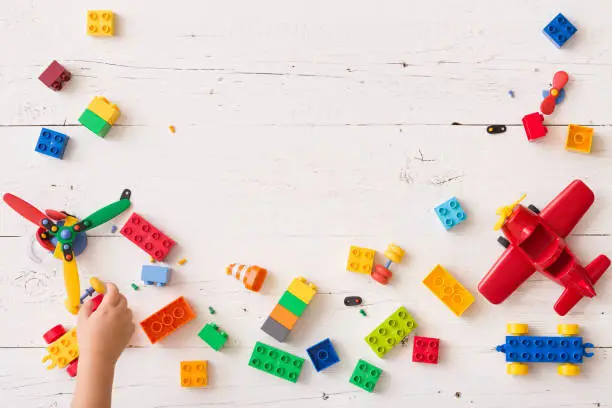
167, 320
147, 237
534, 126
425, 350
54, 76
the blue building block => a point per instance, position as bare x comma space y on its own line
323, 355
155, 275
536, 349
450, 213
52, 143
560, 30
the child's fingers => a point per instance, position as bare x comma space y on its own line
84, 312
111, 297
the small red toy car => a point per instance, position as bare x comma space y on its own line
58, 331
535, 241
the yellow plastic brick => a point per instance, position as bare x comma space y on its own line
302, 289
62, 351
579, 139
361, 260
100, 23
194, 373
102, 107
448, 290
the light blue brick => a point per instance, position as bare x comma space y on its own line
155, 275
450, 213
52, 143
560, 30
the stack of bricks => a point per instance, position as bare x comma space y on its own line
100, 116
289, 308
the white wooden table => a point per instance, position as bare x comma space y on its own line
303, 127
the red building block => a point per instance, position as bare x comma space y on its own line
534, 126
55, 76
167, 320
425, 350
147, 237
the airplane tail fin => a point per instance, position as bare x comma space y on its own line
569, 297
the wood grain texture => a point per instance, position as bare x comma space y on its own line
302, 128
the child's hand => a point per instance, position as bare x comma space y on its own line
104, 334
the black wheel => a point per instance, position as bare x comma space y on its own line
503, 242
534, 208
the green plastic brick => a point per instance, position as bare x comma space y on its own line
213, 336
276, 362
365, 375
292, 303
391, 332
94, 123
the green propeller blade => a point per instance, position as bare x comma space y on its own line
107, 213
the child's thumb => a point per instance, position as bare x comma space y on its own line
84, 312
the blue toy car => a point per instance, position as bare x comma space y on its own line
568, 349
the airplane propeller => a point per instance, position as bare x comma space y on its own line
506, 211
65, 234
559, 81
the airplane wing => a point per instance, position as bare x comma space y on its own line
563, 213
569, 298
508, 273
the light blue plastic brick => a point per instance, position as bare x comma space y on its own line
155, 275
559, 30
450, 213
51, 143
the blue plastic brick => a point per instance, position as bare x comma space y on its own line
155, 275
52, 143
450, 213
323, 355
536, 349
560, 30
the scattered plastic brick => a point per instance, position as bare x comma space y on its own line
211, 310
182, 261
172, 129
352, 301
134, 286
495, 129
113, 229
511, 93
363, 312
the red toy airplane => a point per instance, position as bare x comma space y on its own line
535, 241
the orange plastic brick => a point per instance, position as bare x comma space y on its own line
194, 373
448, 290
167, 320
579, 139
284, 317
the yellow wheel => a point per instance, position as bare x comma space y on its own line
72, 309
97, 285
568, 370
394, 253
517, 329
517, 369
568, 329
